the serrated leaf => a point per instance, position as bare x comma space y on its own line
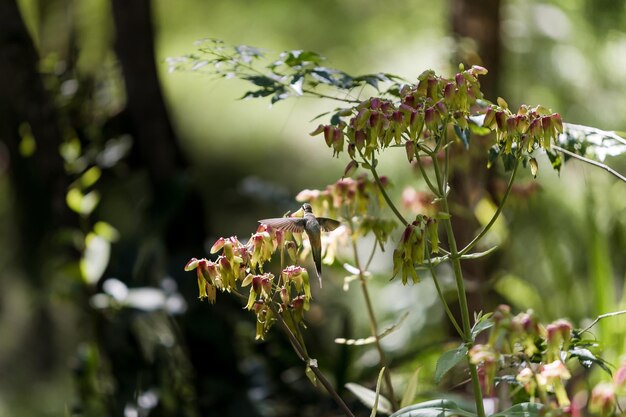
520, 410
433, 408
368, 397
411, 389
448, 361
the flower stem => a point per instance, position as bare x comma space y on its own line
384, 193
312, 364
373, 323
455, 260
495, 216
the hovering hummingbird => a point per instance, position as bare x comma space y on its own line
313, 226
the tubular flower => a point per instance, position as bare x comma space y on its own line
208, 278
558, 336
486, 359
603, 399
261, 288
555, 373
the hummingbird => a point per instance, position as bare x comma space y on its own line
313, 226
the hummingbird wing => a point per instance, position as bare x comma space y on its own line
287, 224
328, 225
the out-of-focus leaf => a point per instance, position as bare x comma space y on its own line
95, 258
368, 397
492, 156
521, 410
433, 408
311, 375
463, 134
411, 389
449, 360
534, 167
378, 396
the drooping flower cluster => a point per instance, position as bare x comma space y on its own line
523, 352
424, 107
241, 265
411, 250
529, 128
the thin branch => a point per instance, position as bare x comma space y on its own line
384, 192
602, 316
443, 300
372, 320
311, 363
434, 190
485, 229
591, 162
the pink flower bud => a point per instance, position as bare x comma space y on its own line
219, 244
409, 146
328, 134
317, 131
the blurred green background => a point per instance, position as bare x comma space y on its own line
128, 337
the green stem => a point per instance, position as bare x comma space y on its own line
461, 293
428, 182
372, 320
384, 193
443, 300
495, 216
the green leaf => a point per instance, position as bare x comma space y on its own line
509, 161
492, 155
95, 258
311, 375
411, 389
464, 135
555, 159
433, 408
587, 358
482, 324
448, 361
368, 397
378, 385
520, 410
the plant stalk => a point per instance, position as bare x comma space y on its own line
301, 352
455, 259
373, 324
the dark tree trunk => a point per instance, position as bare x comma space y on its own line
38, 181
478, 20
150, 122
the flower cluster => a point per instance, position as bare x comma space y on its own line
241, 265
423, 108
355, 199
539, 355
347, 197
411, 250
528, 129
